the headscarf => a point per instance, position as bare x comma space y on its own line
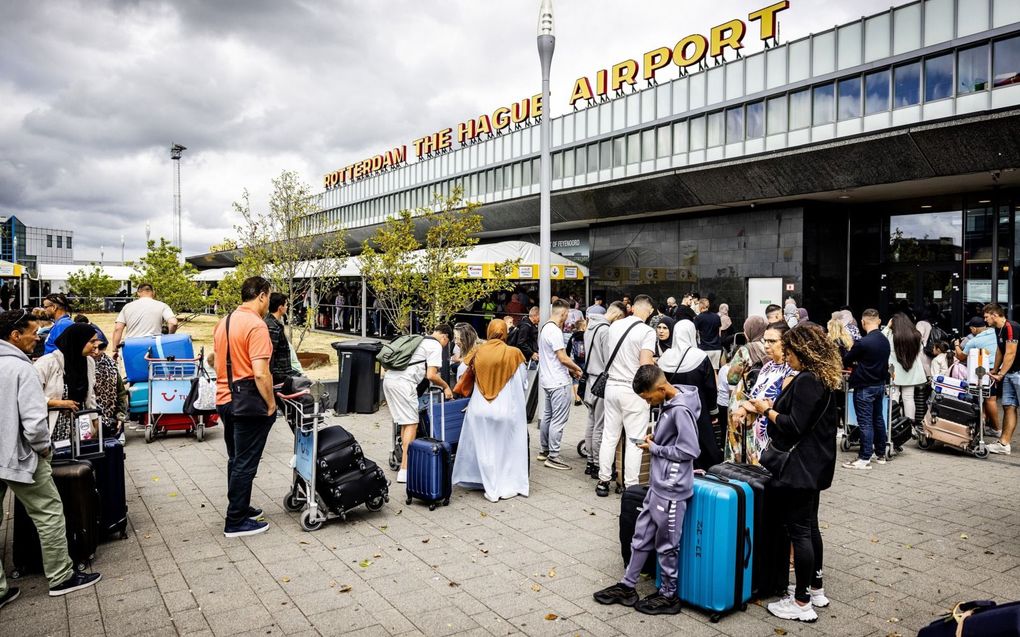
754, 328
851, 324
685, 348
664, 343
494, 362
802, 315
76, 371
724, 317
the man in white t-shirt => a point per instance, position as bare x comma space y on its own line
143, 317
626, 412
400, 386
554, 371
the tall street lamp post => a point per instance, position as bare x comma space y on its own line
546, 46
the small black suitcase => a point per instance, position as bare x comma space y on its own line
110, 482
76, 483
631, 504
367, 486
901, 427
339, 453
962, 412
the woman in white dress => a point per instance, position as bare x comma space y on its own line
493, 450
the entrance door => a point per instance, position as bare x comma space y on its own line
927, 290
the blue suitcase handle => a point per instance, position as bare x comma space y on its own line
747, 546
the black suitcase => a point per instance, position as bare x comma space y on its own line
631, 504
366, 486
339, 453
110, 482
961, 412
987, 619
770, 546
76, 483
901, 427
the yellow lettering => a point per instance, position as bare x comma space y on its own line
625, 71
484, 125
501, 118
376, 163
399, 154
444, 139
536, 105
727, 34
520, 111
466, 131
768, 18
601, 82
582, 90
655, 60
680, 56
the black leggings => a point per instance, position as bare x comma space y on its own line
799, 514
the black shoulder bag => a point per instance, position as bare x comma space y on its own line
775, 460
598, 388
582, 383
245, 399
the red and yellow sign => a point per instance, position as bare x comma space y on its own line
688, 52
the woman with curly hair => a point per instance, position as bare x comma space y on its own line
802, 423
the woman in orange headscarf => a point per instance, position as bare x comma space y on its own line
493, 451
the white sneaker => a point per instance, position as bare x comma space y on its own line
402, 476
293, 461
859, 464
788, 608
878, 459
998, 447
818, 598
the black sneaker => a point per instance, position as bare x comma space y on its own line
74, 583
247, 527
254, 513
617, 594
8, 597
658, 604
588, 469
602, 489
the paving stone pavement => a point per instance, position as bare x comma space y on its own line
903, 544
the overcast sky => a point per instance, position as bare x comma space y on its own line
93, 93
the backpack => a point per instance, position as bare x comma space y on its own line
937, 334
396, 355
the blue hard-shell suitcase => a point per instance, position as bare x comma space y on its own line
454, 416
987, 619
136, 368
138, 398
430, 465
716, 548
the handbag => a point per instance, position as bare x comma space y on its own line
582, 382
201, 398
466, 384
598, 388
245, 399
774, 459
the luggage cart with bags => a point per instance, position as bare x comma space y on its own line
170, 383
957, 415
898, 428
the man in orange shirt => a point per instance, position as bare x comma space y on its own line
245, 401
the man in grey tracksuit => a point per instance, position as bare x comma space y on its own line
673, 448
595, 363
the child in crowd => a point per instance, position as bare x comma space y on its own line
673, 448
942, 360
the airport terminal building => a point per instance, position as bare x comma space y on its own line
871, 164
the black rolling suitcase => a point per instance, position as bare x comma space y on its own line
339, 453
977, 619
76, 483
366, 486
631, 504
110, 482
771, 564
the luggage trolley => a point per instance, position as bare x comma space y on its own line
969, 439
303, 492
850, 435
170, 381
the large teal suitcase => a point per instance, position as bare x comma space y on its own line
716, 548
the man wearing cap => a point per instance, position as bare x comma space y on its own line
982, 337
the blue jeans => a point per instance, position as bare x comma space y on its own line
245, 439
871, 419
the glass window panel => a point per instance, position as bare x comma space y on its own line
849, 105
716, 128
907, 28
619, 151
800, 60
557, 132
972, 70
679, 138
849, 53
633, 109
568, 163
800, 109
775, 121
516, 137
716, 84
823, 53
754, 75
735, 124
605, 155
662, 94
536, 175
734, 79
907, 84
696, 83
755, 120
972, 16
1006, 69
680, 95
581, 163
647, 106
876, 92
526, 173
938, 77
593, 121
698, 133
619, 114
876, 37
557, 166
775, 65
568, 128
662, 143
593, 158
648, 144
498, 180
605, 117
579, 123
1005, 12
939, 20
633, 148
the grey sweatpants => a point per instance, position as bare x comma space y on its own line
554, 417
658, 529
593, 434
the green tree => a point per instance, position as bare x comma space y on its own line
91, 284
291, 244
406, 274
171, 277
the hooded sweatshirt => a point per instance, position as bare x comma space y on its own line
675, 446
24, 430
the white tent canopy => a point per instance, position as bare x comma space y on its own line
213, 275
60, 271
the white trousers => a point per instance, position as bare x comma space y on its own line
626, 413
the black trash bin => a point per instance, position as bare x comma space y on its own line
359, 383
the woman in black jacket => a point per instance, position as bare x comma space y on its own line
803, 422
